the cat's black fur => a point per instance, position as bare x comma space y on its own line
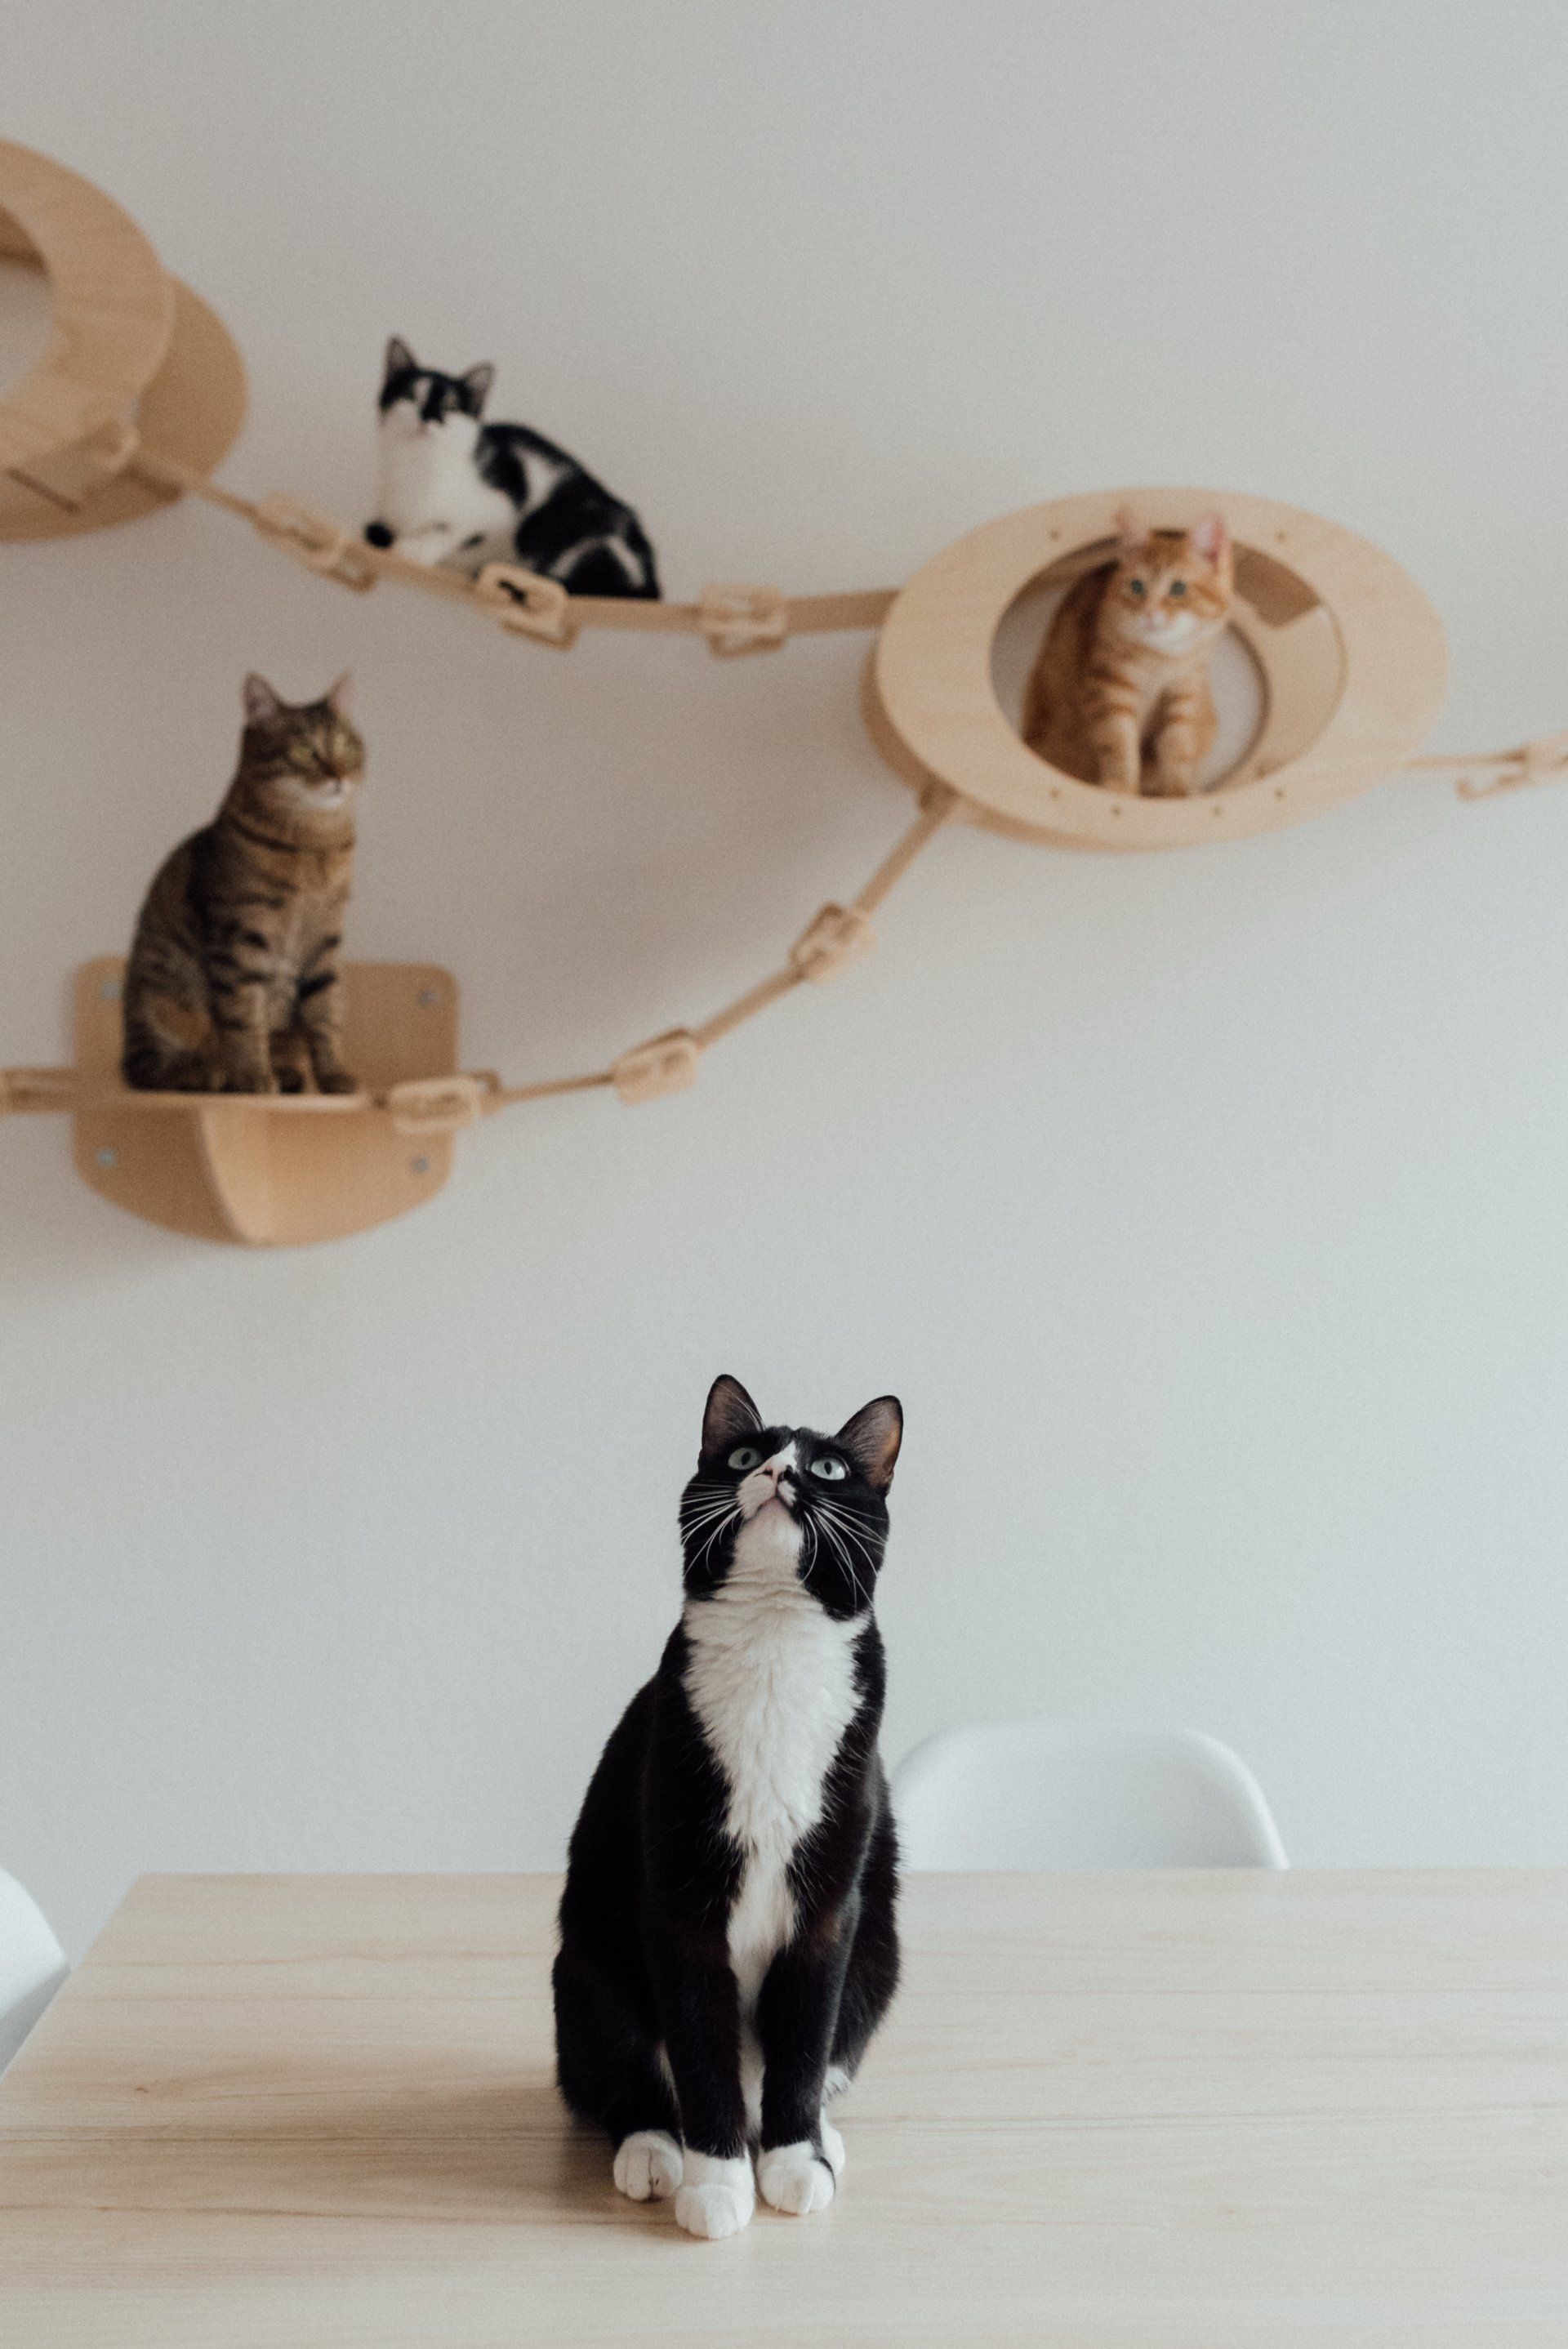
645, 1956
562, 537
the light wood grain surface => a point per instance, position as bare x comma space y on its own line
1208, 2110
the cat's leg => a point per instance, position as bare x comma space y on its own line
291, 1061
870, 1976
241, 1014
1111, 724
1181, 736
701, 2009
429, 544
612, 2075
318, 1015
796, 2017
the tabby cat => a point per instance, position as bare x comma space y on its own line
1119, 694
460, 493
232, 984
729, 1941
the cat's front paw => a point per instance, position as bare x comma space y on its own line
336, 1081
649, 2166
248, 1081
796, 2178
716, 2196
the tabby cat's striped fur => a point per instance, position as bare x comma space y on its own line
232, 984
1119, 694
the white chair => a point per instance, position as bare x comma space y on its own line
32, 1965
1044, 1794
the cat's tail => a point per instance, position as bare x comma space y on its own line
639, 545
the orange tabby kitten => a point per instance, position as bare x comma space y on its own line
1119, 694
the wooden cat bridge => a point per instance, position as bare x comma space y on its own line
138, 396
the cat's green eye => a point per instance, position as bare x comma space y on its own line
1136, 587
1178, 586
745, 1455
831, 1471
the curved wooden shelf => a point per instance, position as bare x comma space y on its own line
132, 354
275, 1170
1351, 655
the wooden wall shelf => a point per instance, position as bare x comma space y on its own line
132, 355
275, 1170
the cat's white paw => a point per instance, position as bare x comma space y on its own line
717, 2197
795, 2179
832, 2145
649, 2166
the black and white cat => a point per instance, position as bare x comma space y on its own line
729, 1940
456, 491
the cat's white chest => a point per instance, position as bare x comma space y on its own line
771, 1679
429, 478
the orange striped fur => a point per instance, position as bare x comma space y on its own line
1119, 695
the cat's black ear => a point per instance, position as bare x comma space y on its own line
477, 388
261, 704
729, 1415
400, 360
872, 1437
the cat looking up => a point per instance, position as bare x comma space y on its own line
729, 1941
459, 491
1119, 694
232, 983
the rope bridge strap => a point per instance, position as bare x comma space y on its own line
733, 619
1538, 761
834, 939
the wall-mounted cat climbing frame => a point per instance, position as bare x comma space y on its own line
141, 392
133, 356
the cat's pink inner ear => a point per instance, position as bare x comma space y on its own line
340, 693
1131, 538
260, 702
1211, 537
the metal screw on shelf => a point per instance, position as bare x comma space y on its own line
107, 1157
108, 990
418, 1165
428, 997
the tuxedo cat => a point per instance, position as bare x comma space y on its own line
728, 1934
462, 493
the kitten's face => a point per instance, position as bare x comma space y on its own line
770, 1502
306, 755
1172, 591
420, 403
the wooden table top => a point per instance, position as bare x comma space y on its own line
1205, 2110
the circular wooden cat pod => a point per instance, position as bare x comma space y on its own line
132, 355
1349, 652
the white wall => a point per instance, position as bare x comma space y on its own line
1207, 1211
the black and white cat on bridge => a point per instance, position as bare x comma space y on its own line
461, 493
728, 1939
